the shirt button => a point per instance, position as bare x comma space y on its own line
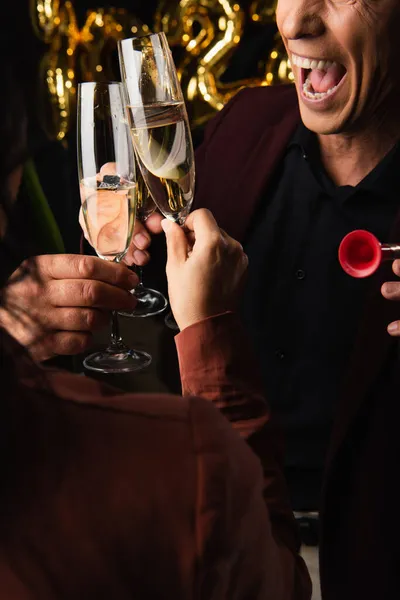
279, 354
300, 274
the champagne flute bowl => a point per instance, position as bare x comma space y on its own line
108, 187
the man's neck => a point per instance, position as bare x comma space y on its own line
349, 158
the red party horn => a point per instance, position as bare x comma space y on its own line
360, 253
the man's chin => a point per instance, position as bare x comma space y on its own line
321, 123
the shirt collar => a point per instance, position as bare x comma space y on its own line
382, 180
304, 139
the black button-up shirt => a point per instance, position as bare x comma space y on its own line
300, 308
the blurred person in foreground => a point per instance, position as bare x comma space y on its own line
117, 496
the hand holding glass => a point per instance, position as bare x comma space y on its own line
159, 124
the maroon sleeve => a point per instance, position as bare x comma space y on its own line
217, 363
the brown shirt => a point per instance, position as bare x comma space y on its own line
108, 495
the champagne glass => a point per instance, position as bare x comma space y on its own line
159, 125
107, 178
150, 302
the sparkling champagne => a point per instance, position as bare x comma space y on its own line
163, 144
109, 211
144, 203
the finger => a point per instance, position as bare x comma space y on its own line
391, 290
141, 237
109, 168
140, 241
205, 229
141, 258
88, 293
77, 319
136, 257
191, 238
202, 223
231, 241
396, 267
75, 266
177, 245
153, 223
59, 343
68, 344
394, 329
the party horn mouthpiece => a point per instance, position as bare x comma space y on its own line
360, 253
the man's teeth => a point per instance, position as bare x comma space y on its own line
309, 92
310, 63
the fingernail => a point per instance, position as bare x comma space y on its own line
165, 224
139, 257
140, 240
393, 327
128, 259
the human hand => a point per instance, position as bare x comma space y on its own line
137, 253
391, 291
110, 218
52, 304
205, 268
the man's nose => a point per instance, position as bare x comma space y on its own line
300, 18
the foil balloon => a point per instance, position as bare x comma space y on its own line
99, 37
87, 54
263, 11
277, 68
45, 18
57, 69
207, 32
203, 34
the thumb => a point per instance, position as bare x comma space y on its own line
177, 246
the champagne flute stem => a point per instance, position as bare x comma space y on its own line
139, 271
116, 340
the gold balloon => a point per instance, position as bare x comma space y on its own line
99, 37
73, 54
278, 69
203, 34
208, 32
277, 65
58, 70
45, 18
263, 11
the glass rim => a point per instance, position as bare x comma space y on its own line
148, 36
99, 83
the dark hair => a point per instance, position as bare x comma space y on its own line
13, 153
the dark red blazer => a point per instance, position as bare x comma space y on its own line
360, 533
105, 495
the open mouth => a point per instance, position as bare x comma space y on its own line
319, 78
